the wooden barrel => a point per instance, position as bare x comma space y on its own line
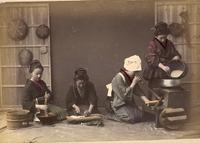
17, 119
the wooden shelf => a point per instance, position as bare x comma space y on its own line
191, 43
12, 86
30, 26
193, 62
17, 86
10, 4
177, 3
19, 66
191, 82
23, 46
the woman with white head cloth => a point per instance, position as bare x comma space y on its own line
124, 88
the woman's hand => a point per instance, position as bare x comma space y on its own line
76, 108
87, 113
135, 81
166, 69
176, 58
163, 67
41, 107
47, 96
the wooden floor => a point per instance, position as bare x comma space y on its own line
112, 131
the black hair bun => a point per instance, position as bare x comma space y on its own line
35, 64
81, 74
161, 28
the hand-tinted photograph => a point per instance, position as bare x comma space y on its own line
99, 70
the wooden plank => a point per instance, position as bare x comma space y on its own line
173, 110
13, 86
29, 26
192, 43
0, 80
20, 75
22, 5
17, 86
10, 96
22, 46
177, 118
19, 66
8, 107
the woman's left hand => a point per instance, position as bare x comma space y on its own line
87, 113
46, 96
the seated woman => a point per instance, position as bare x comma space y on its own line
81, 97
124, 89
37, 95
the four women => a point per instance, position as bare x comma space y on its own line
81, 97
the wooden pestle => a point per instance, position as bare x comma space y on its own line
45, 103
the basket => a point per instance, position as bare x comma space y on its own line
42, 31
17, 29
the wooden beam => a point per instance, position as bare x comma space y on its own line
30, 26
177, 118
16, 86
19, 66
22, 46
191, 43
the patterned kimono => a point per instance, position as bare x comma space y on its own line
123, 98
37, 90
158, 53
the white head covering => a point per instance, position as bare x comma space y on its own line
133, 63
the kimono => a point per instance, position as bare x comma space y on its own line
123, 103
158, 53
37, 90
89, 97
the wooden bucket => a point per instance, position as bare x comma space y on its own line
17, 119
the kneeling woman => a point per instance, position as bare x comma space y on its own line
37, 95
124, 88
81, 97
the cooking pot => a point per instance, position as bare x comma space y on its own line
178, 69
168, 82
47, 120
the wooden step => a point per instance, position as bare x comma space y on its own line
177, 118
149, 102
173, 110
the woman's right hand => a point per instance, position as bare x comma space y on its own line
166, 69
136, 79
76, 108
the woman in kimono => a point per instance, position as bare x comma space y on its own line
36, 93
124, 88
81, 97
160, 52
